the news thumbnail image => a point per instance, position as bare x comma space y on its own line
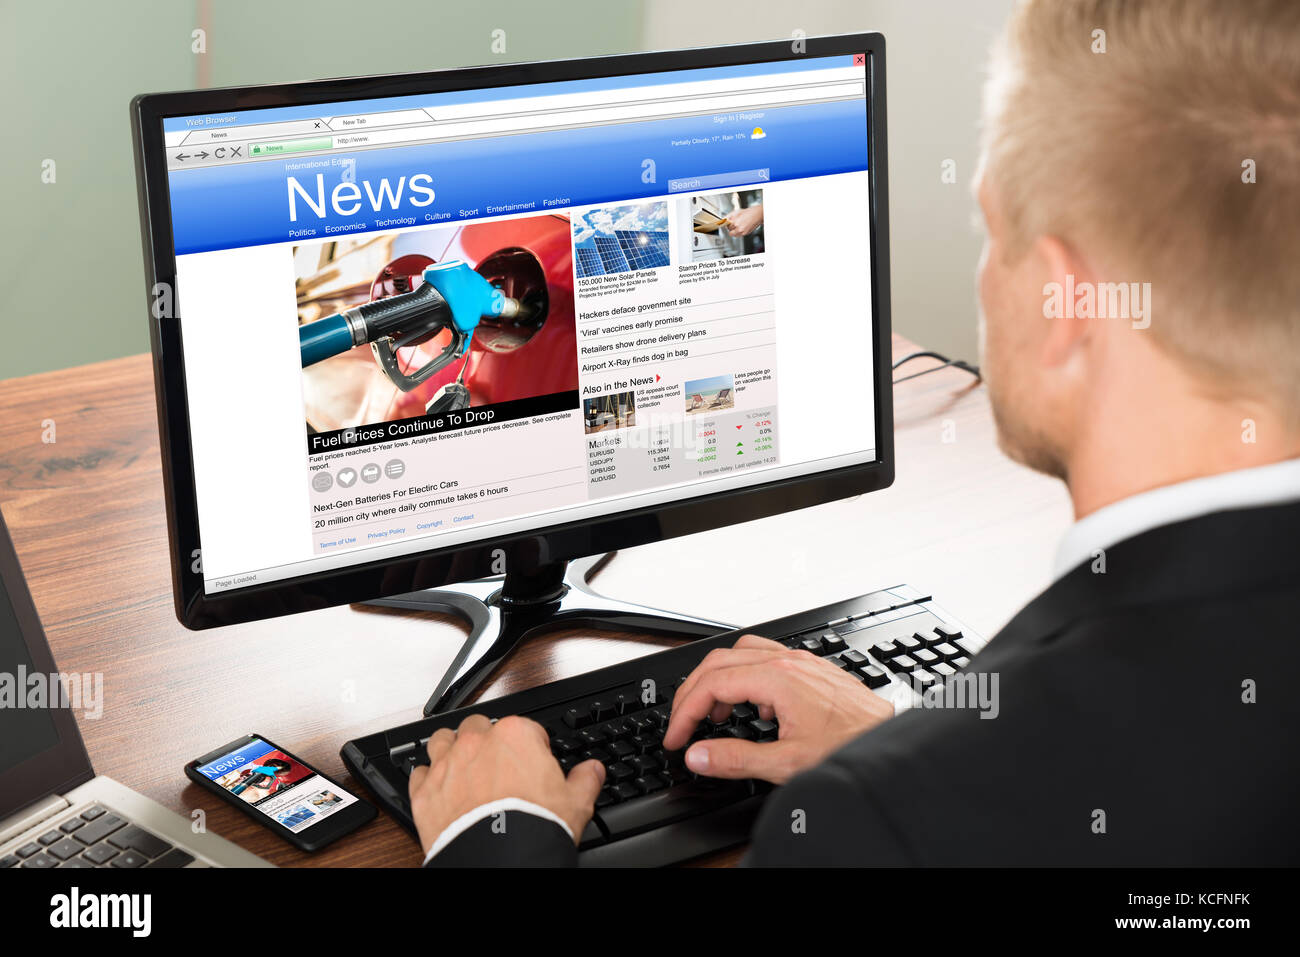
620, 239
531, 354
262, 776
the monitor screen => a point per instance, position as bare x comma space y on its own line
671, 297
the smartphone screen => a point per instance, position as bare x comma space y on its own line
277, 784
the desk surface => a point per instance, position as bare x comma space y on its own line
86, 513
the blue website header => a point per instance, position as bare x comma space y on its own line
343, 193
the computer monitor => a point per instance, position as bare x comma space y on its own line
416, 330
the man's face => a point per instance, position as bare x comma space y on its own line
1012, 332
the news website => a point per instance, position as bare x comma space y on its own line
671, 297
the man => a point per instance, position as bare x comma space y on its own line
1146, 712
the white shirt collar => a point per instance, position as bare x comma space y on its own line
1244, 488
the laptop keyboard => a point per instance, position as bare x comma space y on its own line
96, 838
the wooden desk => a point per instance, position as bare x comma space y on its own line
86, 513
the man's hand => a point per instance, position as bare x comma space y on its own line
818, 705
482, 762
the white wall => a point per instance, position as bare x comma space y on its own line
936, 55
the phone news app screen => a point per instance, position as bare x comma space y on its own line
279, 786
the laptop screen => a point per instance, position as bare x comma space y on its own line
41, 752
24, 730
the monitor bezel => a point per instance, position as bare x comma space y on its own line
438, 566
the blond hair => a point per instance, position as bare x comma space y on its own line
1142, 154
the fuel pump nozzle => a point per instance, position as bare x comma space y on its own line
453, 297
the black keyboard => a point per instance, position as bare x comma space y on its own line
652, 810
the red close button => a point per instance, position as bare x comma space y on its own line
859, 59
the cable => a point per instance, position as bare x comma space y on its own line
925, 354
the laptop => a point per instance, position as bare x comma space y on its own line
54, 810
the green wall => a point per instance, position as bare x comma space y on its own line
71, 279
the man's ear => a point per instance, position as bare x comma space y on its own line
1064, 271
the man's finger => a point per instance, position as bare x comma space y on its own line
585, 782
759, 683
759, 644
733, 758
473, 725
418, 774
440, 743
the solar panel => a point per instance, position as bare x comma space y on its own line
589, 263
611, 256
644, 250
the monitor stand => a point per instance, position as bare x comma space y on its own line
506, 610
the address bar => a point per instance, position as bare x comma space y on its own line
586, 115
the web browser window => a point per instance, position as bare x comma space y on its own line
652, 287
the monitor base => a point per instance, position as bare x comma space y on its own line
504, 611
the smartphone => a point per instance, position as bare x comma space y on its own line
283, 792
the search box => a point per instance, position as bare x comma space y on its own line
691, 184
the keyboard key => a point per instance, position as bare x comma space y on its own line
874, 677
908, 643
130, 859
922, 679
812, 645
948, 630
137, 839
643, 764
649, 784
967, 645
626, 790
885, 650
744, 712
926, 656
763, 730
99, 829
41, 862
65, 849
9, 860
27, 850
855, 658
903, 663
627, 702
619, 772
741, 731
833, 643
575, 718
943, 670
945, 651
602, 710
173, 858
605, 798
76, 862
91, 813
49, 837
101, 853
71, 824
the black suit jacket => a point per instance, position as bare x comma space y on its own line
1147, 715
